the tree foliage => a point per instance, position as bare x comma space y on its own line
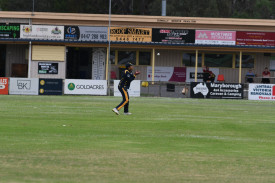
262, 9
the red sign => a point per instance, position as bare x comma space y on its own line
4, 86
256, 38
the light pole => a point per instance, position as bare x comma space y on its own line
109, 49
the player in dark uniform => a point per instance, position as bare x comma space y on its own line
123, 86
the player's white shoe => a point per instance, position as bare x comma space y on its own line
127, 113
115, 111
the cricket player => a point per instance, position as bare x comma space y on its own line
123, 86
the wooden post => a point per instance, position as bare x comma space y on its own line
240, 67
196, 66
153, 65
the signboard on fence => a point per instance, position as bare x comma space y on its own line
10, 30
173, 74
85, 87
47, 68
255, 38
42, 32
133, 91
4, 86
131, 34
23, 86
215, 37
261, 92
50, 86
216, 90
190, 74
173, 35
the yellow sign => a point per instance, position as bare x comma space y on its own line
131, 34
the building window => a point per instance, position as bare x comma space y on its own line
247, 61
144, 58
218, 60
189, 59
126, 56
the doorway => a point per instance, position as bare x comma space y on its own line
2, 60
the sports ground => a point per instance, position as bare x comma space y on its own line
79, 139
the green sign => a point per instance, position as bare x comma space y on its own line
9, 30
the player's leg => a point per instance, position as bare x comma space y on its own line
124, 101
126, 107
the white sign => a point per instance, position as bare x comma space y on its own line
98, 66
133, 91
23, 86
85, 87
42, 32
93, 33
261, 92
190, 74
161, 73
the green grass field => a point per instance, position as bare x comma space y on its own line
55, 139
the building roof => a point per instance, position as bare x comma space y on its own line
138, 21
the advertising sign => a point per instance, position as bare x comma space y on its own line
131, 34
255, 38
23, 86
4, 86
261, 92
216, 90
98, 65
42, 32
85, 87
215, 37
86, 33
71, 33
9, 31
173, 74
47, 68
190, 74
174, 35
133, 91
50, 86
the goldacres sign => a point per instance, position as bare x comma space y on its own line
131, 34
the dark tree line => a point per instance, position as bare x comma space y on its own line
264, 9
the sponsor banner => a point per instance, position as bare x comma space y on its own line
4, 86
10, 30
216, 90
85, 33
71, 33
85, 87
50, 86
173, 74
23, 86
42, 32
47, 68
174, 35
133, 91
131, 34
190, 74
215, 37
98, 65
255, 38
261, 92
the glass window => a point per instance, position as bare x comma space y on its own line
247, 61
113, 57
189, 59
126, 56
144, 58
218, 60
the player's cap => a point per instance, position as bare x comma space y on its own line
128, 65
